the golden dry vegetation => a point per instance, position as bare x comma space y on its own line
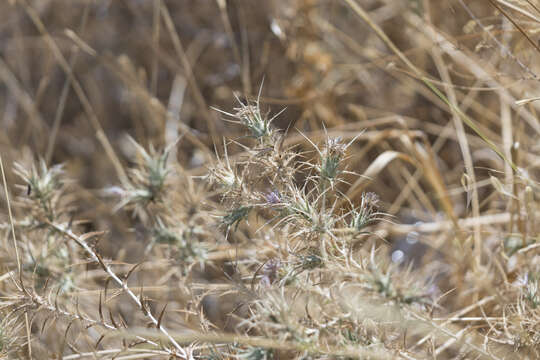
243, 179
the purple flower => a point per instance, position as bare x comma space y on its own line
270, 272
273, 197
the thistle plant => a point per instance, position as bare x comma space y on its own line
43, 188
330, 158
366, 213
45, 200
318, 230
225, 177
148, 180
183, 241
258, 124
264, 181
298, 209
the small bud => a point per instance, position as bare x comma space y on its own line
270, 272
273, 198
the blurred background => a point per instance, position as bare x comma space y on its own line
76, 78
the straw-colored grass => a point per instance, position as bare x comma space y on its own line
305, 179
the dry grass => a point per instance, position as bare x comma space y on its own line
269, 180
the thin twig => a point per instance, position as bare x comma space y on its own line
82, 243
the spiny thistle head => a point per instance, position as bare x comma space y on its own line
153, 169
148, 178
250, 116
224, 176
259, 125
331, 156
44, 185
366, 212
43, 181
334, 147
